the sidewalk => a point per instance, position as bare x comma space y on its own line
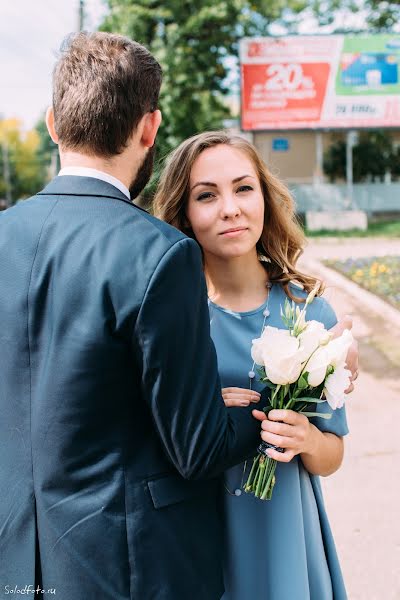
362, 498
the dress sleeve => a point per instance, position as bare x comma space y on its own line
337, 424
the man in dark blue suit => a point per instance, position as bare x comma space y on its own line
112, 430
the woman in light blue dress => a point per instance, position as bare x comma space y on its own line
216, 189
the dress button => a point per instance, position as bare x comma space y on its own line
266, 312
238, 492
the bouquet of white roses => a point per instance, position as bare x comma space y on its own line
303, 366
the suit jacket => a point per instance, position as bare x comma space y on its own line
112, 427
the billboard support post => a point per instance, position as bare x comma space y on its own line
351, 140
319, 158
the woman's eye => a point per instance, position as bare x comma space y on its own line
245, 188
205, 196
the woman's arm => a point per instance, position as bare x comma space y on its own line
320, 451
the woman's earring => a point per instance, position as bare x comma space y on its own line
263, 258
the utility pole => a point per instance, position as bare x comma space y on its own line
351, 141
81, 15
6, 173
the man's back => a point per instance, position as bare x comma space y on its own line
93, 446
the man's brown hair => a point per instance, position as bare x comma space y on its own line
103, 84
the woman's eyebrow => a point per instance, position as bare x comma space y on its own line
241, 177
212, 184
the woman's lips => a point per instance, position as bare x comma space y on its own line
234, 232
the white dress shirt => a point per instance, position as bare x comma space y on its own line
88, 172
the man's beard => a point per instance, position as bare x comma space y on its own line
143, 175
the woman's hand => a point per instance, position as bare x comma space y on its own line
289, 430
234, 396
321, 451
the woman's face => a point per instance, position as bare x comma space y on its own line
226, 205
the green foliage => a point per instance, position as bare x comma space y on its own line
374, 155
380, 15
24, 163
383, 15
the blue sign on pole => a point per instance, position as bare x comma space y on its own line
280, 144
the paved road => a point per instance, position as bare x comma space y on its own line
363, 497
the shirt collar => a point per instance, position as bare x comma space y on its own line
88, 172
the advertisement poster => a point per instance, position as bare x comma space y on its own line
320, 82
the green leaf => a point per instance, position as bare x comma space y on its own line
316, 414
269, 384
302, 382
310, 400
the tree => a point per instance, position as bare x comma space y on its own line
25, 173
378, 15
374, 155
382, 15
193, 41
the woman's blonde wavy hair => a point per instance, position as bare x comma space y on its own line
282, 239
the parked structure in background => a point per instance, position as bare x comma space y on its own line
301, 95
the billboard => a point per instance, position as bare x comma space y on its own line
320, 82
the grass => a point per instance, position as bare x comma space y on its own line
384, 229
380, 275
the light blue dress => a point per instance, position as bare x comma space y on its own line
280, 549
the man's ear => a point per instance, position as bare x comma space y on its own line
50, 124
151, 123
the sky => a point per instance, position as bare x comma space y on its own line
31, 32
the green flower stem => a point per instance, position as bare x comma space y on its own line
253, 471
254, 483
269, 485
261, 477
274, 394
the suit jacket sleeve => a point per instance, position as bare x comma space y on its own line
179, 371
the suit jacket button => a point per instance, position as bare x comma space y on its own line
238, 492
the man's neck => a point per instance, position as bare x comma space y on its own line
122, 166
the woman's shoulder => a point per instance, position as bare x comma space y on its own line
319, 309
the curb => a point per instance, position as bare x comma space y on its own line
367, 299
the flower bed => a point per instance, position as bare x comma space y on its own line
380, 275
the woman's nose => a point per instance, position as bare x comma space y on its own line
230, 206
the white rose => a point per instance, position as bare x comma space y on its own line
317, 366
336, 384
278, 352
256, 351
339, 347
270, 337
312, 336
332, 354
